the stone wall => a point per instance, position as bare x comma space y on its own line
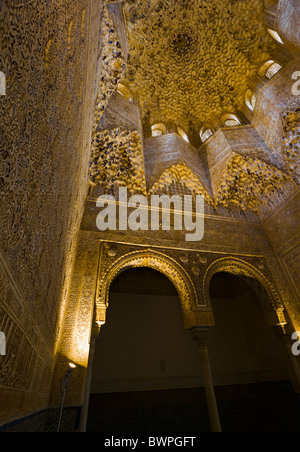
282, 229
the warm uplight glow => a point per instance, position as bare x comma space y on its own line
72, 366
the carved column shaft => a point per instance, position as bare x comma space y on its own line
88, 381
201, 336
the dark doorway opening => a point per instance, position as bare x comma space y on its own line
249, 363
147, 375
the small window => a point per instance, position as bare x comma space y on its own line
250, 100
273, 70
205, 134
157, 133
269, 69
183, 134
276, 36
231, 121
124, 91
158, 130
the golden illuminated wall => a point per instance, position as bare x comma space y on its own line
54, 141
75, 338
49, 53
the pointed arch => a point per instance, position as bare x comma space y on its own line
151, 259
270, 301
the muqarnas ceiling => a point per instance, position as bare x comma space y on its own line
190, 60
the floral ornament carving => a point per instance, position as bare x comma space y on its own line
248, 182
157, 261
44, 136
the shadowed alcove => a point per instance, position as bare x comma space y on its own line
147, 376
248, 361
143, 345
145, 362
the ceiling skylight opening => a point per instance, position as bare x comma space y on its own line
157, 130
183, 135
250, 100
230, 120
205, 134
124, 91
276, 36
269, 69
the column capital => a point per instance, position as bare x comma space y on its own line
201, 334
100, 312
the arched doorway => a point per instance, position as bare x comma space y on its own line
248, 361
146, 374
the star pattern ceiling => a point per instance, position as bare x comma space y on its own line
190, 60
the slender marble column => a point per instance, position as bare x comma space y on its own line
201, 336
88, 381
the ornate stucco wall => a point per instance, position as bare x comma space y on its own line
246, 174
55, 266
49, 53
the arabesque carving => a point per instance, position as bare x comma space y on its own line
190, 61
152, 259
113, 66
